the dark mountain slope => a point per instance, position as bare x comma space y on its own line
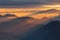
57, 18
54, 30
20, 27
51, 31
28, 28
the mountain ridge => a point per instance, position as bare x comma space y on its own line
49, 10
50, 31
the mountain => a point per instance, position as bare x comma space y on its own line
1, 16
7, 17
16, 27
10, 15
20, 27
52, 14
49, 11
50, 31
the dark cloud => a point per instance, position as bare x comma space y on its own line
19, 4
26, 3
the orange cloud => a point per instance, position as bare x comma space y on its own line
26, 11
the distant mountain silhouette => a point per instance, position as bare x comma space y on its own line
10, 15
48, 11
51, 31
1, 16
16, 20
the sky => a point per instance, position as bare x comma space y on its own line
27, 3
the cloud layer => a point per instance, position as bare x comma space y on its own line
26, 3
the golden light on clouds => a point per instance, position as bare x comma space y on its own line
27, 11
22, 14
19, 11
39, 16
51, 5
57, 7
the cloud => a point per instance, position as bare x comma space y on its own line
33, 0
26, 3
19, 4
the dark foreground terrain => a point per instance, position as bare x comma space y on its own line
20, 29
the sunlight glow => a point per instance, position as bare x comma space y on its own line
52, 6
